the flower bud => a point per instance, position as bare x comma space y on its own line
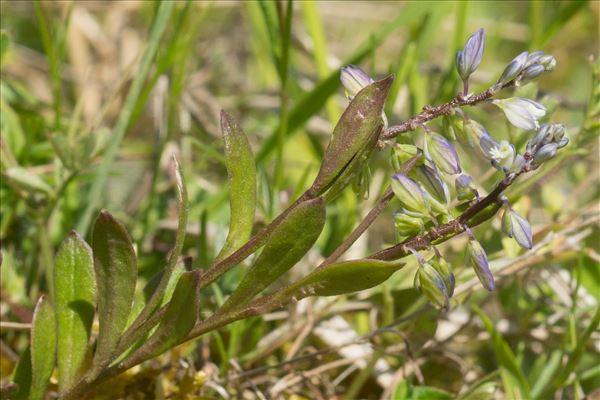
513, 69
548, 61
473, 131
468, 59
530, 73
464, 188
442, 153
522, 113
517, 227
533, 58
443, 268
518, 164
563, 142
407, 225
429, 281
354, 80
432, 182
543, 135
545, 153
402, 153
362, 183
558, 131
477, 258
409, 193
486, 144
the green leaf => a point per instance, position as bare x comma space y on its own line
22, 375
549, 368
346, 277
4, 46
357, 128
405, 391
287, 244
179, 319
22, 179
142, 299
159, 291
242, 183
116, 272
515, 384
43, 347
75, 297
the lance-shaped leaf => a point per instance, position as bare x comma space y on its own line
288, 243
345, 277
43, 347
75, 294
116, 272
242, 184
179, 318
355, 129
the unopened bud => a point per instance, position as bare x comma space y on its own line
473, 131
517, 227
545, 153
513, 69
402, 153
443, 268
548, 61
354, 80
563, 142
433, 183
468, 59
439, 150
542, 136
407, 225
464, 188
410, 194
531, 72
432, 285
477, 258
534, 58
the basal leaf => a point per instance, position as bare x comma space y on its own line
286, 245
357, 127
116, 272
242, 184
43, 347
346, 277
75, 296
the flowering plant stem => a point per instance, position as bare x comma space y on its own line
479, 208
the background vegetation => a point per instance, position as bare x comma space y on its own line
87, 123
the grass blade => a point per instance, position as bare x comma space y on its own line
95, 192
